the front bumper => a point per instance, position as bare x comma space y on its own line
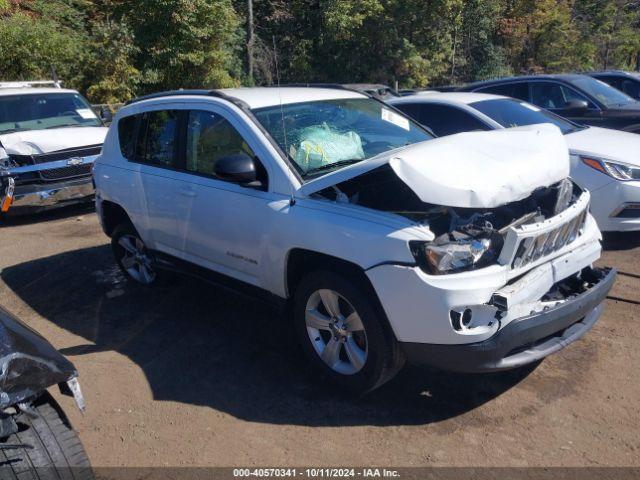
522, 341
37, 197
610, 205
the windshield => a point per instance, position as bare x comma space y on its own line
328, 134
34, 111
514, 113
602, 92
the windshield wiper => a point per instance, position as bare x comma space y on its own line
64, 125
329, 166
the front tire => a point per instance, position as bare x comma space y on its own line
343, 333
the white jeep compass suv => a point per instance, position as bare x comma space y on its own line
471, 253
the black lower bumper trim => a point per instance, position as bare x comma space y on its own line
524, 340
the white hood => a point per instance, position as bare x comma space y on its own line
607, 144
472, 170
34, 142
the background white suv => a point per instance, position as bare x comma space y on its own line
471, 253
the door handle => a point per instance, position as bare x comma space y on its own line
188, 192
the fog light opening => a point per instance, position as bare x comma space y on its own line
460, 319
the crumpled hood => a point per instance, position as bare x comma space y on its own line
34, 142
606, 143
474, 169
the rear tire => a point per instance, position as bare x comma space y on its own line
57, 451
343, 333
133, 257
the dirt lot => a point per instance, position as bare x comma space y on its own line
192, 375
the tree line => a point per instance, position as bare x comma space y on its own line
113, 50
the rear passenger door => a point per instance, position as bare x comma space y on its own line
228, 222
167, 196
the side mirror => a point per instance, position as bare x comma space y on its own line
237, 168
576, 107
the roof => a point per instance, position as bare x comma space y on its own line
259, 97
449, 97
558, 76
33, 91
616, 72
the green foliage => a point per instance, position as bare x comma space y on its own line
115, 49
32, 46
186, 43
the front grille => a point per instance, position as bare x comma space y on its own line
534, 247
37, 159
66, 172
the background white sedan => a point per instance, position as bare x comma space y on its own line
604, 161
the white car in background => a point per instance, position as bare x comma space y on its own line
605, 162
49, 139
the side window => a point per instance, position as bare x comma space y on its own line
631, 88
126, 135
158, 138
209, 138
444, 119
553, 95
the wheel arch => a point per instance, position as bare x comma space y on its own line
113, 215
300, 261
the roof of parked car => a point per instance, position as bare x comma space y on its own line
33, 91
616, 72
448, 97
568, 77
259, 97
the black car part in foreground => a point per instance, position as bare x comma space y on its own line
36, 438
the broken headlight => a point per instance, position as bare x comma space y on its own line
452, 257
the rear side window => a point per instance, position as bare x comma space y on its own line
518, 90
209, 138
158, 138
443, 119
126, 136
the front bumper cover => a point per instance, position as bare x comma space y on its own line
522, 341
33, 198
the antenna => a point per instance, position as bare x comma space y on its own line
292, 201
54, 77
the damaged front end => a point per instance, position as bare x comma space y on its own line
35, 182
29, 364
468, 238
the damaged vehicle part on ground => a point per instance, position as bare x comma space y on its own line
35, 435
383, 242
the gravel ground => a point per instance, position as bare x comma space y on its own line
192, 375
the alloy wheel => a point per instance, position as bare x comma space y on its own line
336, 332
135, 260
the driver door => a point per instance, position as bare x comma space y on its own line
228, 222
554, 96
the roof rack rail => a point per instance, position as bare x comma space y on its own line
333, 86
190, 92
32, 84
